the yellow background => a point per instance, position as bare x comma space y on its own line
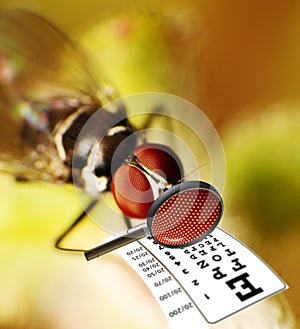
236, 60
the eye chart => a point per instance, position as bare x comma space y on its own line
203, 283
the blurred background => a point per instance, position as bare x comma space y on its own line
238, 61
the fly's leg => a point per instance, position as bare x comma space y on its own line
59, 240
150, 117
127, 222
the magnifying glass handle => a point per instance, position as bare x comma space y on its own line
133, 234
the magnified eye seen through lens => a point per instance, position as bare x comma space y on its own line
188, 215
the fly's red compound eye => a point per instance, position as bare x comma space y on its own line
132, 185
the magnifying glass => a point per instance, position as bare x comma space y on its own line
181, 216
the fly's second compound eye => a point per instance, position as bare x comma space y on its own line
139, 182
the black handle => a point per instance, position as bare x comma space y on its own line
133, 234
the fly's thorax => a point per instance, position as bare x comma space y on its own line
89, 152
67, 130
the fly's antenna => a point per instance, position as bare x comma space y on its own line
191, 172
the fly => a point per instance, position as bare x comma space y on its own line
71, 132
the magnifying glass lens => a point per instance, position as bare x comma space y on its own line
187, 216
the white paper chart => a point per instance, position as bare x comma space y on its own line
203, 283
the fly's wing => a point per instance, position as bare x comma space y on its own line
39, 62
36, 165
43, 77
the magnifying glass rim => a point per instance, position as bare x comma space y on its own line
190, 185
